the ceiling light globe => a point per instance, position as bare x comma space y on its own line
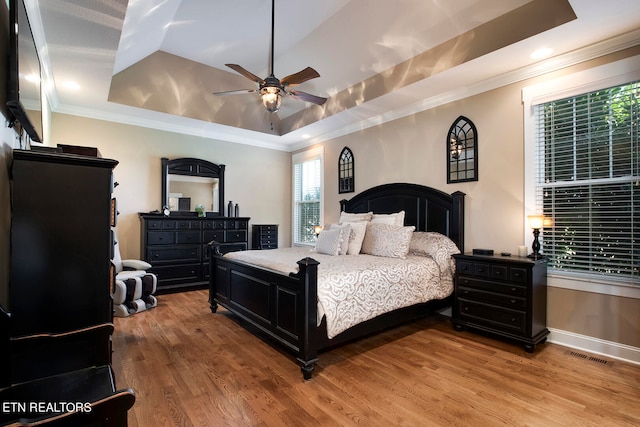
271, 98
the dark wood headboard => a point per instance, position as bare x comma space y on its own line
426, 208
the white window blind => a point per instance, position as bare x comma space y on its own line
588, 181
307, 196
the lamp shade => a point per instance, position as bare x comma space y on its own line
536, 221
317, 229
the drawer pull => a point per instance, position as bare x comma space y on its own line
498, 273
513, 289
466, 309
480, 270
465, 281
513, 320
466, 292
512, 301
516, 274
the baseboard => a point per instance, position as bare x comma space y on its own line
610, 349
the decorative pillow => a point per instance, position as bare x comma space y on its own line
329, 242
434, 245
394, 218
346, 236
356, 236
355, 217
387, 240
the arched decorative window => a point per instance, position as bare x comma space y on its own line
346, 182
462, 151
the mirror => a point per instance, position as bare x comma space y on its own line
462, 151
188, 182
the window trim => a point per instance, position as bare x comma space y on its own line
302, 157
612, 74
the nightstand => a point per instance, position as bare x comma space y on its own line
265, 236
502, 295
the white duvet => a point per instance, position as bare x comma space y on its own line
356, 288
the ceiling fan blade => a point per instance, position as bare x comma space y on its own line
237, 68
300, 77
235, 92
307, 97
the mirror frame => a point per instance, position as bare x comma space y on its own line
193, 167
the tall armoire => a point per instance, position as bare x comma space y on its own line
61, 242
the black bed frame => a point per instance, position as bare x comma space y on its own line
284, 307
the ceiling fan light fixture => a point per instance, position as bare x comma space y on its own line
271, 98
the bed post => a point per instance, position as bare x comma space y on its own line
308, 316
457, 230
214, 249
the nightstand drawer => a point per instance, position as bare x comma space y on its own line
492, 315
487, 285
478, 269
492, 298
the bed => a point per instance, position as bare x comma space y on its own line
282, 301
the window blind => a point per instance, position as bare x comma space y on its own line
307, 191
588, 181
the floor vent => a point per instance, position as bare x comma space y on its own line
590, 358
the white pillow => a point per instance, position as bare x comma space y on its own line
356, 236
346, 234
329, 242
387, 240
355, 217
394, 218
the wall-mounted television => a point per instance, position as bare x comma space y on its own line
23, 76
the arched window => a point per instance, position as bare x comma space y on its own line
346, 172
462, 151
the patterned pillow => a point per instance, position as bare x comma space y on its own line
434, 245
356, 236
346, 236
329, 242
387, 240
394, 218
355, 217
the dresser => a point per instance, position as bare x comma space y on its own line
264, 236
61, 242
176, 246
505, 296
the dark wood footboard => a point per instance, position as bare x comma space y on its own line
282, 307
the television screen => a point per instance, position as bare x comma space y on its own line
23, 91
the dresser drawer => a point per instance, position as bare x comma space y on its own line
158, 255
188, 237
235, 235
208, 236
514, 321
189, 272
188, 224
161, 238
492, 298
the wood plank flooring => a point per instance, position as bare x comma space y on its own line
190, 367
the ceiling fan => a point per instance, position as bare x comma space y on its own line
272, 89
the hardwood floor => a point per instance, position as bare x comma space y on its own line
190, 367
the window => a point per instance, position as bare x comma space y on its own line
307, 195
587, 179
346, 182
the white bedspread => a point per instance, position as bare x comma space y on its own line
356, 288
